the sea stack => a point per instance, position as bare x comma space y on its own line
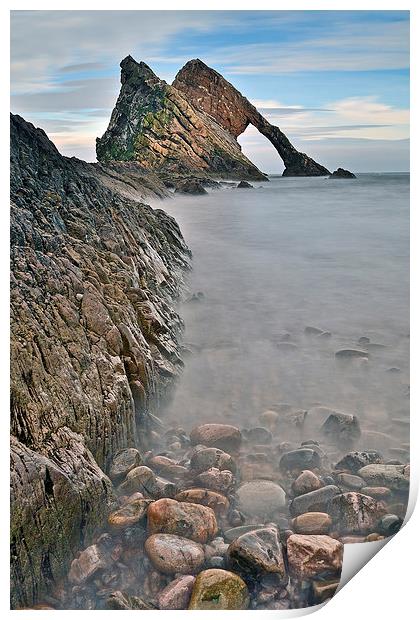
191, 126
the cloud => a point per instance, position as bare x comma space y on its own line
363, 133
92, 93
358, 108
306, 41
356, 154
45, 42
65, 74
272, 107
371, 47
82, 67
367, 116
363, 117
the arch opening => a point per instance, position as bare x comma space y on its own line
260, 151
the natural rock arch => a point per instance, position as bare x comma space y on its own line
256, 147
210, 92
191, 126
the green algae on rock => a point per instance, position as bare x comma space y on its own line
190, 126
216, 589
154, 124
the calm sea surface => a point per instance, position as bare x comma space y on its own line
286, 255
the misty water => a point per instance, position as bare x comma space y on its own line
269, 263
274, 260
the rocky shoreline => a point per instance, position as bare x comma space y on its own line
111, 508
223, 518
95, 342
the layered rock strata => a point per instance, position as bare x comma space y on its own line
210, 92
191, 126
94, 342
154, 124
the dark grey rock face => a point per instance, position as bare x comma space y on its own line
94, 342
342, 428
314, 501
303, 458
340, 173
191, 186
353, 461
244, 185
257, 552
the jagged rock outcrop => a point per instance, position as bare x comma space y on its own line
154, 124
191, 126
94, 342
340, 173
210, 92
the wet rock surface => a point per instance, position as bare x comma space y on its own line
353, 461
216, 501
123, 462
238, 541
306, 482
177, 594
130, 514
219, 589
172, 554
94, 343
251, 544
210, 516
351, 354
304, 458
341, 173
314, 501
356, 513
244, 185
344, 429
256, 552
191, 186
312, 523
395, 477
87, 564
223, 436
350, 481
207, 458
308, 556
193, 521
222, 536
260, 498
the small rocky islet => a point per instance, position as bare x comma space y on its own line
237, 537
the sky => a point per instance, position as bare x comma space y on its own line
336, 82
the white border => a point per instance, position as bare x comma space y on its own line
387, 587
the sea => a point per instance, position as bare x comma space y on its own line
285, 275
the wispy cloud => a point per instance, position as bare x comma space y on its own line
368, 117
357, 133
65, 74
80, 94
45, 42
357, 154
373, 47
82, 67
273, 107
